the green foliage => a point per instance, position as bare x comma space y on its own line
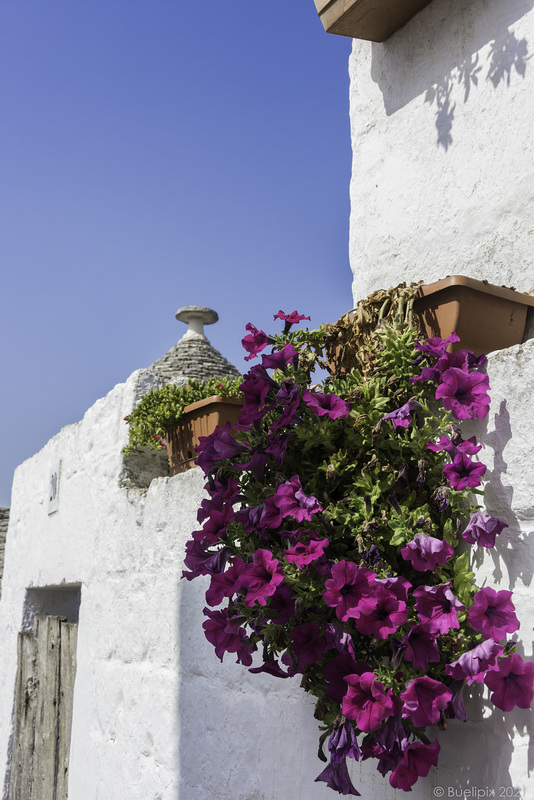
162, 407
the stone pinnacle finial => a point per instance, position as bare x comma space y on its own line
196, 317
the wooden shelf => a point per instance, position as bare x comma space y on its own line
374, 20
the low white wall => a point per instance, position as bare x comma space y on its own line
443, 167
156, 715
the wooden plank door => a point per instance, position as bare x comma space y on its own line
43, 710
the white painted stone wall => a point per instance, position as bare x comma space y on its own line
156, 715
443, 163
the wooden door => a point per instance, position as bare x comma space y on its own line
43, 710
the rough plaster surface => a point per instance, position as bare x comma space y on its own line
443, 167
156, 715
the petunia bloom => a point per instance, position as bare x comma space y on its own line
292, 501
493, 613
435, 346
217, 446
329, 405
381, 614
511, 683
464, 393
424, 699
225, 584
290, 319
261, 578
305, 552
281, 358
426, 552
308, 644
464, 473
336, 776
402, 417
437, 607
419, 646
416, 762
482, 529
255, 341
366, 701
346, 587
343, 742
227, 636
336, 670
473, 665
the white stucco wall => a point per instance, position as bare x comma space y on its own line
156, 715
443, 165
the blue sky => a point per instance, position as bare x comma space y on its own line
155, 155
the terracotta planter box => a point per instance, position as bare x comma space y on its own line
485, 317
374, 20
199, 419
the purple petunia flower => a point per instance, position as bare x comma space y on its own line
336, 776
473, 665
366, 701
463, 359
216, 524
292, 501
415, 763
464, 393
280, 358
343, 742
305, 552
511, 683
261, 578
217, 446
281, 605
482, 529
381, 614
201, 561
463, 472
402, 416
419, 646
424, 699
288, 397
493, 613
346, 587
290, 319
225, 584
255, 341
308, 643
435, 346
437, 607
469, 447
271, 668
426, 552
329, 405
336, 670
227, 636
399, 586
255, 388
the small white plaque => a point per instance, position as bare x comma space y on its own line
53, 489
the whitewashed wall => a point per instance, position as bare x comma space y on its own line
443, 163
156, 715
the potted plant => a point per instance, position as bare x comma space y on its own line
485, 317
334, 536
375, 20
176, 415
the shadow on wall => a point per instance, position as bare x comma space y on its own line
436, 71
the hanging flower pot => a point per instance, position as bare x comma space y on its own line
374, 20
485, 317
198, 419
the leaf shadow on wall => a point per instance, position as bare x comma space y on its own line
513, 554
432, 57
508, 55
